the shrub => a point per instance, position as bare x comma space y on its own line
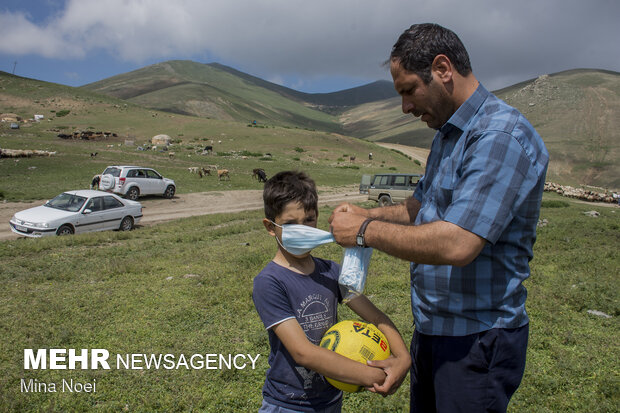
550, 203
253, 154
62, 113
296, 158
298, 149
415, 161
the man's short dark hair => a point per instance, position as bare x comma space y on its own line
289, 186
418, 46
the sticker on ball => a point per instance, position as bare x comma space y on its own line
358, 341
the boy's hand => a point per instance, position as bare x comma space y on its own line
396, 369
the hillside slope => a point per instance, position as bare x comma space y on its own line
236, 147
576, 112
197, 89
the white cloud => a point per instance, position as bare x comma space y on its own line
282, 38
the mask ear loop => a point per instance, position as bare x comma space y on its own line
277, 239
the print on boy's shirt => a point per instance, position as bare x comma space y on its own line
311, 378
314, 315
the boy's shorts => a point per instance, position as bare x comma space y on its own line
272, 408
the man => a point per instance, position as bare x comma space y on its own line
468, 230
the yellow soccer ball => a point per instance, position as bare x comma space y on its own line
358, 341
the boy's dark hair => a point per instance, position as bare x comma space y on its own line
418, 46
289, 186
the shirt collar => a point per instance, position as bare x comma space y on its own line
461, 118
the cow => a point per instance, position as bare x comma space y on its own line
207, 149
93, 154
352, 158
221, 173
259, 174
94, 184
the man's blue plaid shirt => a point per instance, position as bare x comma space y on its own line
485, 173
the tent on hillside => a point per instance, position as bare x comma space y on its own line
9, 117
161, 140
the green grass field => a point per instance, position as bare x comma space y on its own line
236, 147
185, 288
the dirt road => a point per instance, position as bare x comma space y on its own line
158, 210
420, 154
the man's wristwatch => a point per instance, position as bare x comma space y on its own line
359, 239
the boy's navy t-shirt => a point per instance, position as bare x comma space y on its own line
280, 294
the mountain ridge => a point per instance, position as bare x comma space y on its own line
575, 111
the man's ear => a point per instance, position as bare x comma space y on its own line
442, 68
269, 227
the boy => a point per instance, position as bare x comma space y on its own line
296, 298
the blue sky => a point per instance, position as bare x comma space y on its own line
312, 46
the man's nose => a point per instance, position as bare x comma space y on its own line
407, 106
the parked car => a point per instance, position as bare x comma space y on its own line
365, 184
75, 212
133, 181
389, 189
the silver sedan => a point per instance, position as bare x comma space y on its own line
75, 212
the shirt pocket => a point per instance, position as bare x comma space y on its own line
445, 187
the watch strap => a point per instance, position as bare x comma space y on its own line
362, 231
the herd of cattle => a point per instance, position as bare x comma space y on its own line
257, 173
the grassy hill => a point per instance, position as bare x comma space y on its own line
237, 147
576, 112
331, 102
210, 91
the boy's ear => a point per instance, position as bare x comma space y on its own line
269, 227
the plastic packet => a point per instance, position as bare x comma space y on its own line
353, 272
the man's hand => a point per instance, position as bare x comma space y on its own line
396, 369
345, 221
347, 207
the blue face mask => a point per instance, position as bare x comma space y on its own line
301, 239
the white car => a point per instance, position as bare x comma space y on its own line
133, 181
75, 212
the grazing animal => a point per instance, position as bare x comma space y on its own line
370, 156
259, 174
268, 155
204, 172
94, 184
352, 158
262, 176
208, 149
223, 172
193, 169
171, 155
93, 154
